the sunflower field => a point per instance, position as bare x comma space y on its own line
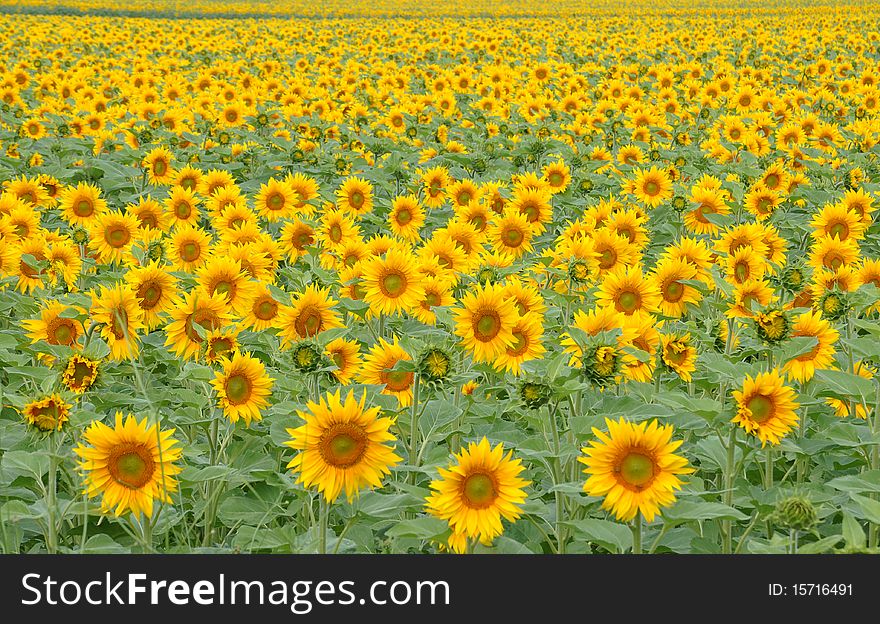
464, 277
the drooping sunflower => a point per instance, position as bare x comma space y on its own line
629, 292
47, 414
766, 407
652, 186
749, 296
378, 366
117, 310
131, 465
82, 204
634, 466
392, 283
111, 236
477, 491
54, 328
223, 275
355, 196
242, 387
342, 446
485, 321
196, 308
310, 313
80, 373
803, 367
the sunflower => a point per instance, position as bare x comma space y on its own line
82, 204
190, 248
406, 217
766, 407
80, 373
117, 310
634, 466
346, 356
747, 295
242, 387
149, 214
485, 321
54, 328
437, 293
598, 320
811, 324
511, 234
378, 369
744, 265
295, 237
112, 235
612, 251
392, 283
355, 196
708, 201
435, 181
336, 228
47, 414
527, 333
210, 182
534, 205
837, 221
262, 310
477, 491
761, 201
192, 310
860, 202
679, 355
833, 253
158, 165
310, 313
629, 292
342, 446
652, 187
463, 193
30, 276
668, 277
276, 200
131, 465
558, 176
182, 207
225, 276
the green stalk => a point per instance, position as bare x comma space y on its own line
414, 426
637, 535
873, 529
727, 525
323, 521
557, 480
52, 505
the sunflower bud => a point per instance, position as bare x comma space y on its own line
307, 357
601, 364
834, 305
534, 393
772, 326
795, 512
435, 365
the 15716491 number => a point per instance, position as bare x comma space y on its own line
810, 589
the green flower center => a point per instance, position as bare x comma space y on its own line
637, 469
479, 491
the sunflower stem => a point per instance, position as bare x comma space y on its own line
414, 426
768, 467
323, 521
637, 534
557, 480
51, 504
873, 528
727, 525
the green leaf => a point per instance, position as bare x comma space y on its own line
869, 507
840, 383
421, 528
612, 536
685, 510
866, 482
853, 533
102, 544
820, 546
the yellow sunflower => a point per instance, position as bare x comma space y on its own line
652, 186
225, 276
242, 387
262, 310
477, 491
310, 313
668, 277
527, 333
377, 369
355, 196
629, 292
276, 200
392, 283
155, 290
406, 217
803, 367
54, 328
511, 234
189, 249
81, 204
485, 321
766, 407
117, 310
679, 354
131, 465
346, 356
197, 308
158, 165
111, 236
634, 466
342, 446
47, 414
80, 373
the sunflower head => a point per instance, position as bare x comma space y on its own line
773, 326
307, 357
601, 364
533, 393
793, 278
579, 270
795, 512
47, 414
834, 304
435, 365
80, 373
